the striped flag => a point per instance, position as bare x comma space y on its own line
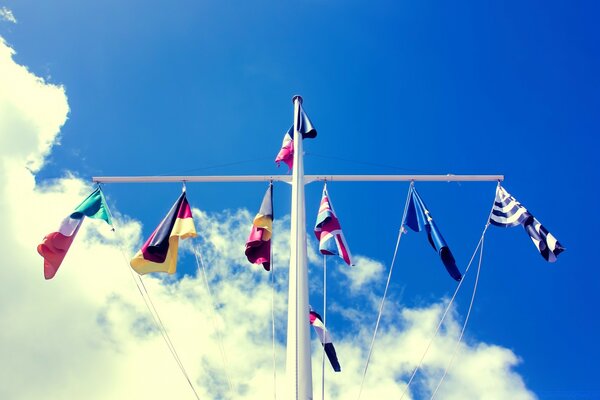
306, 128
317, 323
55, 245
329, 231
418, 218
159, 253
286, 154
508, 212
258, 245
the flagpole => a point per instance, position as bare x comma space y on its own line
298, 362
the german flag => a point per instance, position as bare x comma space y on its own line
258, 245
159, 253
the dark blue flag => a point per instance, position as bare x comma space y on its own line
418, 218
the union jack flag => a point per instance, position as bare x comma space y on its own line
329, 232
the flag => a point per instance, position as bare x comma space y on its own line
55, 245
329, 232
418, 218
159, 253
286, 154
317, 323
508, 212
258, 245
306, 128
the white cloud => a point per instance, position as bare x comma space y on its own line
7, 15
364, 272
31, 112
87, 333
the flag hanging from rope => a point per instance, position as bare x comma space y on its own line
286, 154
258, 245
55, 245
329, 231
418, 218
508, 212
159, 253
306, 128
317, 323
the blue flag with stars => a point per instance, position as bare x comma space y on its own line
419, 218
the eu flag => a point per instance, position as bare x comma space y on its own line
419, 218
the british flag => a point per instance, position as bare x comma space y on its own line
329, 232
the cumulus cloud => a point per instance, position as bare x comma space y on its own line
7, 15
88, 333
365, 272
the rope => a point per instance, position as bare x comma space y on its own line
358, 162
385, 292
167, 337
229, 164
273, 324
200, 262
324, 317
151, 308
324, 324
443, 317
480, 243
465, 323
155, 316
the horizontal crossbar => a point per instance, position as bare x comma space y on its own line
307, 178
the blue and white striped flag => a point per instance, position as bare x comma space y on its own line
508, 212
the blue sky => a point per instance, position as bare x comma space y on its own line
511, 88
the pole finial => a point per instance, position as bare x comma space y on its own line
297, 96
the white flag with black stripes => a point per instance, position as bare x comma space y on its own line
508, 212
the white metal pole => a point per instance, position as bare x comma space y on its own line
307, 178
298, 362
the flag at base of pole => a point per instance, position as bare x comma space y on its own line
258, 245
317, 323
159, 253
55, 245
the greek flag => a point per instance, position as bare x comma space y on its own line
508, 212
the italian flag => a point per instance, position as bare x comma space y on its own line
55, 245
